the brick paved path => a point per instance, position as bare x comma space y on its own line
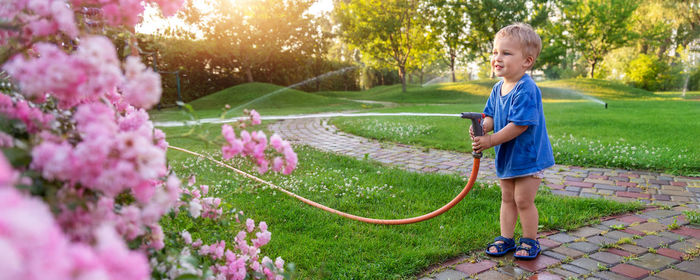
651, 246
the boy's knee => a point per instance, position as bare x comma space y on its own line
507, 198
524, 204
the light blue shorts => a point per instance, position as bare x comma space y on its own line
536, 174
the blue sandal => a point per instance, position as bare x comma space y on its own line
503, 248
532, 251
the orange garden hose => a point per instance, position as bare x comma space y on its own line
443, 209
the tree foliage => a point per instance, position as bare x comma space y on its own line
598, 26
645, 72
450, 25
277, 41
251, 34
387, 31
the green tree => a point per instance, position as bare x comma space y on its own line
424, 58
597, 26
663, 25
688, 30
556, 48
486, 17
425, 55
654, 22
319, 46
250, 34
449, 23
386, 30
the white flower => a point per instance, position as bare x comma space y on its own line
195, 208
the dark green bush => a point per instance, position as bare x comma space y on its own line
653, 74
694, 79
644, 71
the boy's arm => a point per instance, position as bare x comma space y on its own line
504, 135
487, 124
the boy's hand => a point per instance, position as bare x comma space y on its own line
481, 143
486, 126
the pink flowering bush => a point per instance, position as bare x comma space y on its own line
255, 146
33, 244
84, 180
239, 259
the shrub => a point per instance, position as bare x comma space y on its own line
694, 79
645, 72
650, 73
83, 176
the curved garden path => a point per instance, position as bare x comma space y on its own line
660, 251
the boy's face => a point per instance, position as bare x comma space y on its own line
508, 60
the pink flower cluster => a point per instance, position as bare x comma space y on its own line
199, 205
127, 12
33, 118
37, 18
234, 263
255, 145
32, 246
6, 140
114, 156
290, 157
86, 75
140, 80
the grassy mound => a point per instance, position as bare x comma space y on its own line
262, 97
268, 99
478, 91
448, 93
602, 89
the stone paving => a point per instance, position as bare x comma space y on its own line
656, 243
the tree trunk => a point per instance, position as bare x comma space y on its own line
662, 49
402, 77
452, 68
593, 63
644, 48
249, 74
421, 76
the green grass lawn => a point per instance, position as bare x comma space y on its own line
639, 130
688, 95
437, 93
326, 246
601, 89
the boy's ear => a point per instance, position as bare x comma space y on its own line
529, 61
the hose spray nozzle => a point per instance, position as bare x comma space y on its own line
476, 126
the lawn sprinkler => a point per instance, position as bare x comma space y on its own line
478, 131
606, 105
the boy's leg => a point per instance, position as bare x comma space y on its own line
525, 191
509, 212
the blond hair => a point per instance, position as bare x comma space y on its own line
528, 38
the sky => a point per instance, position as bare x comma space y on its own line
321, 6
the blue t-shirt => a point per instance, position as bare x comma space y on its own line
531, 151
